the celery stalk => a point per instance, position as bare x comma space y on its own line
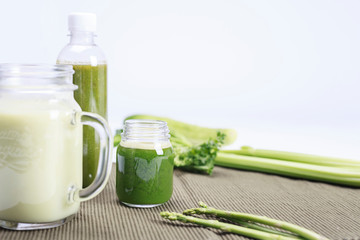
296, 157
334, 175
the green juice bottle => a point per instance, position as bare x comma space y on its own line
90, 76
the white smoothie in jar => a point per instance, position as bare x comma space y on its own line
40, 158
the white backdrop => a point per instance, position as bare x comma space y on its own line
285, 74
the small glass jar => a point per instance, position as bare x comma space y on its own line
144, 164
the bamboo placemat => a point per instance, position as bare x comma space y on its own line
330, 210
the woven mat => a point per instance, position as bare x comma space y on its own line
330, 210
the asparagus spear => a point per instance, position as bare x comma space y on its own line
226, 227
303, 232
262, 228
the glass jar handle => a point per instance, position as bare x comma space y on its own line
105, 158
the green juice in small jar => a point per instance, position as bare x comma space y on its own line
144, 164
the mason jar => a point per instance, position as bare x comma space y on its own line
41, 147
144, 164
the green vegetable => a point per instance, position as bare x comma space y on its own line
249, 224
195, 135
311, 171
300, 231
295, 157
196, 158
256, 226
226, 227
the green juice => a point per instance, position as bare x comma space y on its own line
144, 177
92, 97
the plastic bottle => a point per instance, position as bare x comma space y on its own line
90, 75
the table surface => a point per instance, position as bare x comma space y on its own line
330, 210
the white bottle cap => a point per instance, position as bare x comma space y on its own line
79, 21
